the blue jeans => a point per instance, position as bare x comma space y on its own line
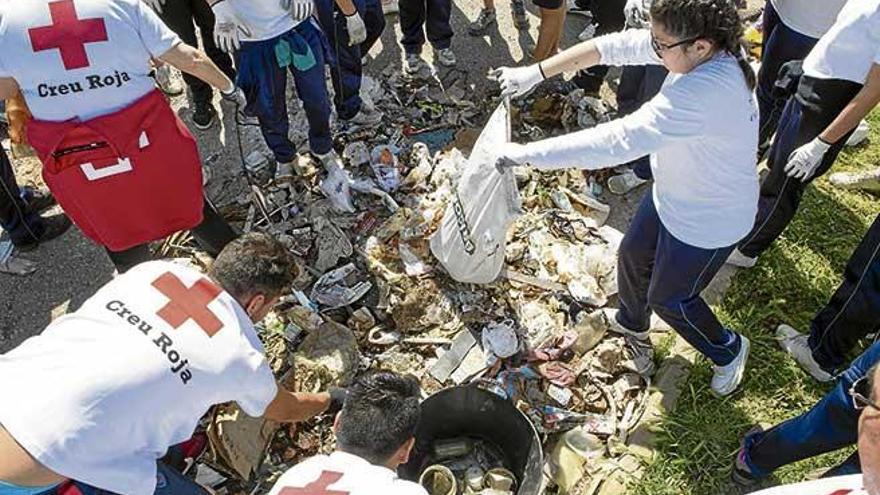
657, 272
346, 69
264, 81
830, 425
781, 44
852, 312
420, 16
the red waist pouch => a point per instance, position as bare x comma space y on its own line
126, 178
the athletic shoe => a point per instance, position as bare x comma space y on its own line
797, 345
868, 181
624, 183
390, 7
445, 57
588, 33
414, 63
859, 135
39, 200
484, 20
728, 377
203, 116
167, 84
736, 258
741, 474
284, 172
365, 117
575, 9
638, 346
520, 19
53, 226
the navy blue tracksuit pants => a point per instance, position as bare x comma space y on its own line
262, 75
854, 309
830, 425
346, 68
657, 272
815, 105
638, 84
781, 44
420, 16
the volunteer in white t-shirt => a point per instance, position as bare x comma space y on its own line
271, 38
374, 435
839, 87
790, 29
88, 59
103, 392
701, 133
848, 415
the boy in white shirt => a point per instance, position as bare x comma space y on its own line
103, 392
374, 435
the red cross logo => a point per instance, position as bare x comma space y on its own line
188, 303
68, 34
318, 487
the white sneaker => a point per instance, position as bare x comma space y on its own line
727, 378
167, 84
639, 348
446, 57
284, 172
610, 315
574, 9
414, 63
736, 258
797, 345
624, 183
864, 181
860, 134
589, 32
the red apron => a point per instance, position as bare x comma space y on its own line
126, 178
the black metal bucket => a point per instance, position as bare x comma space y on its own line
470, 411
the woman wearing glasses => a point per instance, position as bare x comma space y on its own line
701, 131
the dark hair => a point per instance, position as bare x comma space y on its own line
380, 414
715, 20
255, 263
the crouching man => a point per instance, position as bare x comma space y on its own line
105, 391
374, 435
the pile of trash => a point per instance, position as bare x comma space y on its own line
371, 295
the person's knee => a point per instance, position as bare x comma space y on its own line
665, 303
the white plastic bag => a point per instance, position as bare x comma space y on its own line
471, 240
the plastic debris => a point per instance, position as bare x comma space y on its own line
331, 290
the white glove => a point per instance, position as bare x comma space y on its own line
511, 155
300, 10
156, 5
357, 30
636, 14
517, 81
804, 161
227, 26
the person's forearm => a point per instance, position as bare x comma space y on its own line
346, 6
196, 62
291, 407
580, 56
864, 101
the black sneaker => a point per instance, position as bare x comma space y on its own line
53, 226
203, 115
39, 200
741, 474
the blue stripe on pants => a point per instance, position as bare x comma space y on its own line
657, 272
265, 84
830, 425
346, 68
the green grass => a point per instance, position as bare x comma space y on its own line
792, 281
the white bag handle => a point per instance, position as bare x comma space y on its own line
122, 166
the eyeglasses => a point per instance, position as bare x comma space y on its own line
860, 391
659, 48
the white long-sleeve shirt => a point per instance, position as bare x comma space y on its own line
701, 131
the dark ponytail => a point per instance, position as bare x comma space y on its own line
715, 20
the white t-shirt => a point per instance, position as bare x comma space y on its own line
701, 132
80, 58
812, 18
265, 19
345, 473
840, 485
850, 47
104, 391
